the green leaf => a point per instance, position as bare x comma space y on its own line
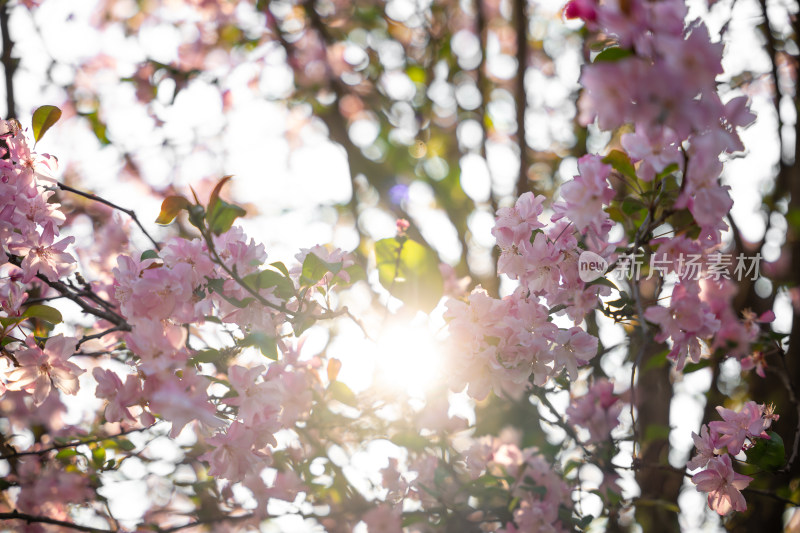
206, 356
356, 273
126, 445
66, 453
170, 208
694, 367
43, 120
631, 205
221, 216
284, 288
411, 440
620, 161
341, 392
410, 272
278, 265
570, 466
267, 344
219, 213
98, 127
615, 53
44, 312
99, 456
658, 360
315, 268
672, 167
10, 321
615, 213
767, 454
149, 254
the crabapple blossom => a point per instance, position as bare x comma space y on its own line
598, 410
723, 485
40, 368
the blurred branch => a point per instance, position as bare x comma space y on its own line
30, 519
74, 443
9, 63
521, 21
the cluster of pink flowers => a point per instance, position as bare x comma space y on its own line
532, 479
597, 411
717, 443
502, 345
661, 79
29, 223
156, 296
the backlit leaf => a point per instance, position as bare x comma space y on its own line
410, 272
170, 208
43, 120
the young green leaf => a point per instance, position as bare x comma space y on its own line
170, 208
43, 120
43, 312
615, 53
620, 161
410, 272
315, 268
269, 278
767, 454
220, 218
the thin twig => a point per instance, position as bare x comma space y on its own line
521, 20
74, 443
101, 334
9, 63
96, 198
71, 293
16, 515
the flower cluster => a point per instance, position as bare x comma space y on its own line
542, 493
717, 443
29, 222
596, 411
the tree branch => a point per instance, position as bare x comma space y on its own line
9, 63
16, 515
73, 443
521, 21
128, 212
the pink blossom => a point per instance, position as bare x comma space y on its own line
735, 426
706, 444
236, 453
181, 400
383, 519
39, 369
258, 402
722, 485
598, 410
586, 195
686, 322
41, 256
573, 348
192, 252
515, 224
120, 396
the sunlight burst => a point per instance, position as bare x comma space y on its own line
408, 359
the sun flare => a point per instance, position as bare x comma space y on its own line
407, 358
